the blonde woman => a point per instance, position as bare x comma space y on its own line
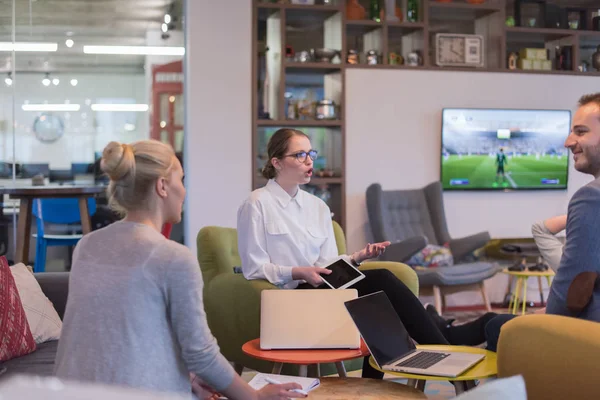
135, 315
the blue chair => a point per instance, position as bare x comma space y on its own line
56, 211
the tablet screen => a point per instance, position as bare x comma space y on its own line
341, 273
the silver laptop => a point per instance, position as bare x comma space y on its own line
391, 346
307, 319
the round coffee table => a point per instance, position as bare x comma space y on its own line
486, 368
363, 389
521, 285
304, 358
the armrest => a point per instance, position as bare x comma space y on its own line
403, 250
232, 305
557, 356
463, 246
402, 271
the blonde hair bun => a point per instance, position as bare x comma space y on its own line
133, 170
118, 161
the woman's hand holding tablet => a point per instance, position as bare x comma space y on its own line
343, 274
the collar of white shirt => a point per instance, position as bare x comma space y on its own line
283, 197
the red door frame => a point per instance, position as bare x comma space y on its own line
171, 84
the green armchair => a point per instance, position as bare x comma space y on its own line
232, 302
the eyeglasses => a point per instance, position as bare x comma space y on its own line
301, 155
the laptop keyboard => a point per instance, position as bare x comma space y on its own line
423, 360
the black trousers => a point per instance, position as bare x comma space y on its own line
421, 327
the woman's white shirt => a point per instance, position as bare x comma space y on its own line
277, 232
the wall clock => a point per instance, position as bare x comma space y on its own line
48, 128
458, 50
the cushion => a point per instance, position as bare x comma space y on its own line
14, 329
44, 322
432, 256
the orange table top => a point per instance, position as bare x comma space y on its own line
304, 356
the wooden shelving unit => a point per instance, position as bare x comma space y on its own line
321, 26
295, 123
479, 10
303, 27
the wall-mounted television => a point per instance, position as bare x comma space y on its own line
504, 149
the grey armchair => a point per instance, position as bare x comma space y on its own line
410, 219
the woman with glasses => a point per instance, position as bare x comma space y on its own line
285, 235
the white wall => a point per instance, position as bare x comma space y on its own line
85, 131
393, 125
218, 105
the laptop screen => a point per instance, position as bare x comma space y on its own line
380, 326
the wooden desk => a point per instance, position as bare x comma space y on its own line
26, 195
363, 389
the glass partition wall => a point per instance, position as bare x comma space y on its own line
75, 75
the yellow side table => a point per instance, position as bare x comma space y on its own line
521, 285
486, 368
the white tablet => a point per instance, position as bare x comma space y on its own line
343, 275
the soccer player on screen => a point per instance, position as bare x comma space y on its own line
500, 161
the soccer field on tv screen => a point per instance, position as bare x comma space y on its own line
521, 171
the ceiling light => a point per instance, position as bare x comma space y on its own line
26, 46
171, 99
50, 107
164, 28
74, 82
69, 43
135, 50
55, 81
129, 127
46, 81
163, 124
8, 80
167, 19
120, 107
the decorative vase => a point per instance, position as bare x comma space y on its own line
596, 59
375, 10
391, 12
354, 11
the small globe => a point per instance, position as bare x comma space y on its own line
48, 128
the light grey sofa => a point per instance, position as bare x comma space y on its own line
412, 218
55, 286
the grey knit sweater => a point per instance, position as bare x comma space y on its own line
135, 314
